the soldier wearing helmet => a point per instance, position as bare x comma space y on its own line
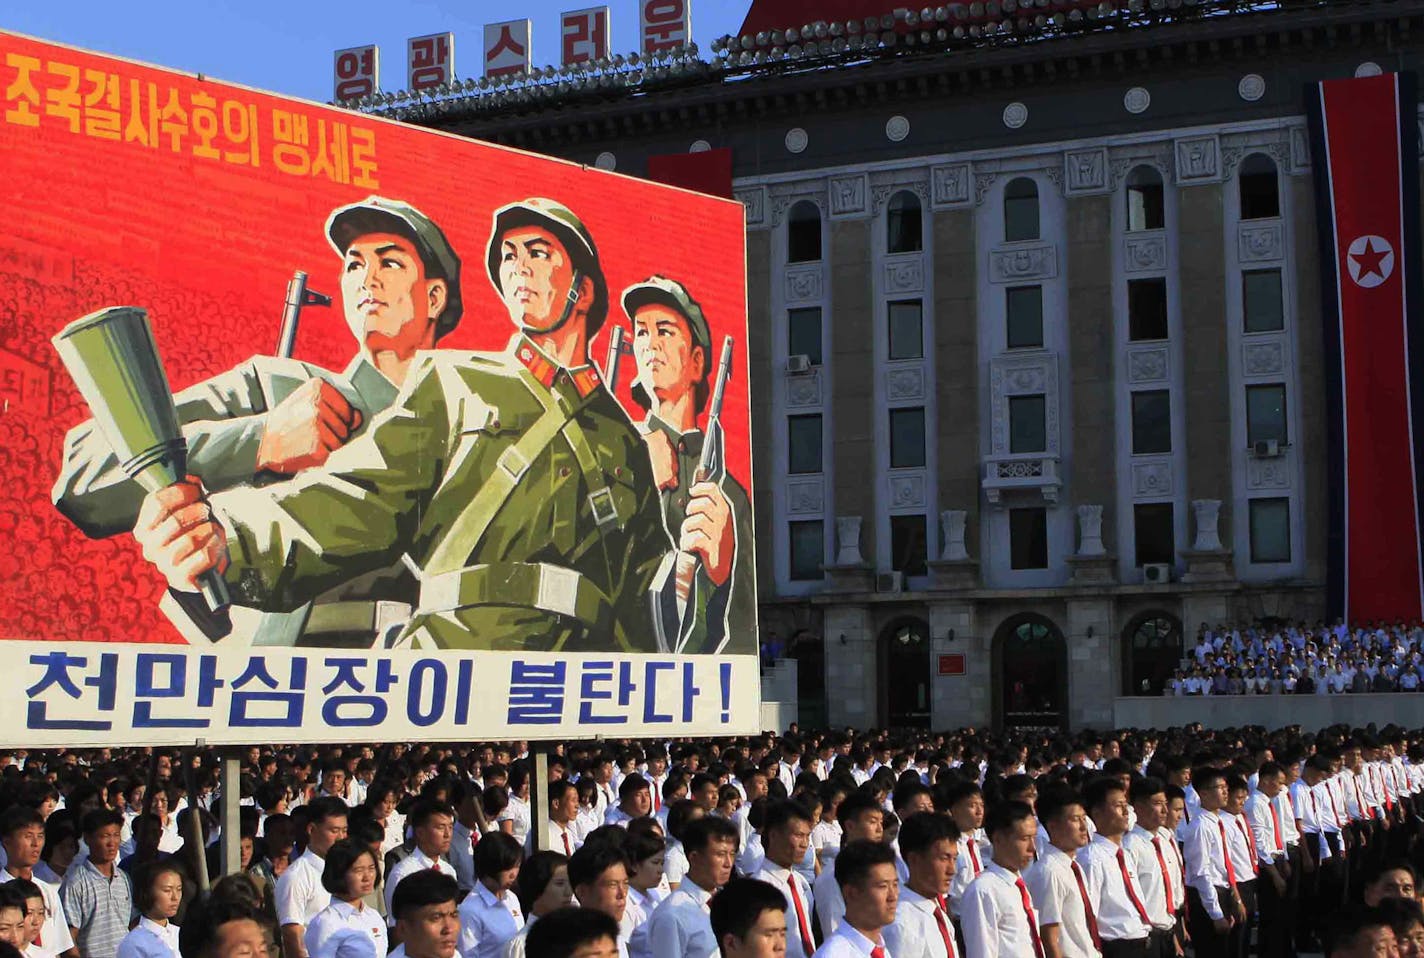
513, 481
272, 417
672, 346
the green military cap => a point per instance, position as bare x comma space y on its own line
674, 295
376, 214
564, 224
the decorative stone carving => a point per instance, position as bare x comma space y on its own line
1142, 253
905, 275
803, 390
606, 161
805, 497
754, 200
950, 185
1207, 512
951, 532
1016, 376
907, 491
796, 139
1263, 359
1137, 100
1147, 364
1152, 478
1299, 149
848, 541
1252, 87
1090, 531
803, 285
847, 195
897, 128
1257, 244
1267, 474
1198, 160
881, 192
1022, 263
905, 382
1086, 171
983, 183
1015, 115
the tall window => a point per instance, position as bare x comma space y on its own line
804, 443
1144, 200
1261, 300
1260, 197
1146, 309
803, 233
1266, 413
908, 546
808, 548
1028, 538
904, 229
1021, 210
1152, 530
1270, 530
1024, 306
804, 334
1151, 422
1028, 430
907, 438
907, 332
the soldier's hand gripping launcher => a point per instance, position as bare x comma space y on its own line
113, 359
674, 587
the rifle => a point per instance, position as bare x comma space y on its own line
617, 348
297, 296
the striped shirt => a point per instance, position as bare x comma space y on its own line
99, 907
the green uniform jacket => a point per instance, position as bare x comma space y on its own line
223, 419
519, 488
730, 614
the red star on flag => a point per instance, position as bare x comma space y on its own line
1369, 260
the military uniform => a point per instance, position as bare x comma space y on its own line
517, 486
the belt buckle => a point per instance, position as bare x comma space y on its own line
513, 463
605, 511
558, 590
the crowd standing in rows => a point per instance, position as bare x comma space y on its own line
833, 845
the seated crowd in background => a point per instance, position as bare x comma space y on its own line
837, 843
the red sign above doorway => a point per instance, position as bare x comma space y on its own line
952, 664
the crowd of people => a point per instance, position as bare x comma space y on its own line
1301, 659
829, 844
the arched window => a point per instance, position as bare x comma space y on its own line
1030, 659
803, 233
903, 228
1151, 652
906, 669
1260, 195
1144, 200
1021, 210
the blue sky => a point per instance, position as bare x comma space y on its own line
287, 47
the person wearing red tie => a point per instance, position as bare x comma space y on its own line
1242, 851
965, 801
563, 811
1056, 883
1273, 887
1214, 913
785, 835
865, 872
1155, 858
929, 844
1119, 901
997, 913
749, 920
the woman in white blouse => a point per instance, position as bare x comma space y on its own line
543, 886
158, 891
350, 874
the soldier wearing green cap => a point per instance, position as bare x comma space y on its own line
272, 417
513, 481
672, 346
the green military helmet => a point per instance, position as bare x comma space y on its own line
376, 214
674, 295
564, 224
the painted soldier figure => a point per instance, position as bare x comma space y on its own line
273, 417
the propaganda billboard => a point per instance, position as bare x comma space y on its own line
321, 427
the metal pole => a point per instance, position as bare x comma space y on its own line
539, 798
231, 812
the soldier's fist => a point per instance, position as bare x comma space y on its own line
664, 458
306, 427
708, 531
179, 535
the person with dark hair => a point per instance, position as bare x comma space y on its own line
1274, 886
1110, 873
97, 895
427, 916
1057, 883
1359, 933
300, 895
964, 801
573, 933
563, 814
861, 818
1215, 914
929, 844
158, 894
227, 923
490, 914
599, 874
680, 925
350, 875
433, 825
786, 834
1241, 848
748, 920
22, 836
1152, 855
1406, 920
680, 814
60, 847
635, 800
646, 853
865, 872
543, 888
1393, 879
12, 919
997, 913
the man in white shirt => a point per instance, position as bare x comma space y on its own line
1215, 915
427, 916
22, 831
923, 927
966, 807
997, 913
1118, 899
681, 924
786, 834
1154, 859
749, 919
1268, 836
1057, 883
861, 817
563, 810
870, 887
1241, 847
433, 826
635, 800
599, 875
300, 894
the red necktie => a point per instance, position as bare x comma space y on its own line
877, 952
1276, 824
974, 857
1225, 855
1166, 874
1131, 895
941, 910
1028, 915
1246, 834
1087, 907
568, 852
802, 927
657, 798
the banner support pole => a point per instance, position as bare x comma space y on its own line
231, 811
539, 798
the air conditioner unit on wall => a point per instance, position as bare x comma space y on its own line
1266, 448
890, 582
798, 364
1156, 573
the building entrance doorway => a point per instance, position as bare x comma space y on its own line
1031, 674
905, 658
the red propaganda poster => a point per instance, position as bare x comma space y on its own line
318, 426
